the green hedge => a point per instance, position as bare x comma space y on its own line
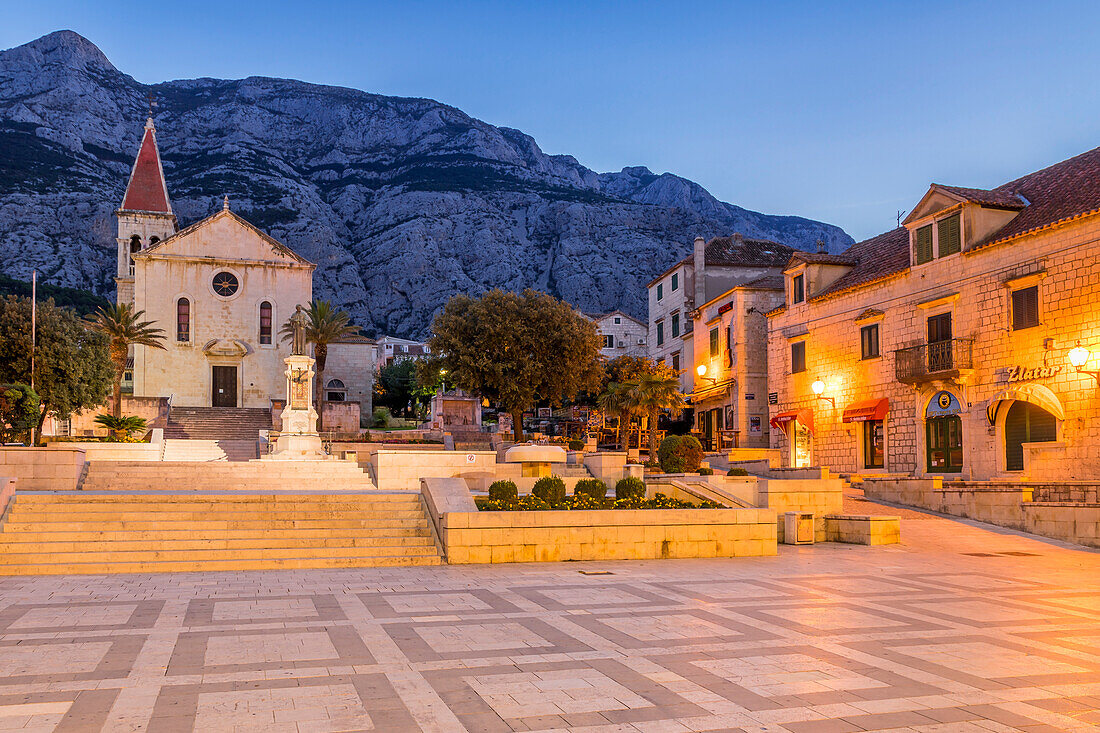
680, 454
550, 489
503, 491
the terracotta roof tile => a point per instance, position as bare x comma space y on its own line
767, 282
878, 257
821, 258
738, 250
985, 197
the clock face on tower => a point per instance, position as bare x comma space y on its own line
225, 284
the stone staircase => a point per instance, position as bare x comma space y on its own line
217, 423
176, 449
330, 476
81, 532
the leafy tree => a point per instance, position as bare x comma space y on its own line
72, 368
620, 400
656, 391
18, 411
123, 327
399, 383
324, 325
516, 349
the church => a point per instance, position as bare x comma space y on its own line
220, 289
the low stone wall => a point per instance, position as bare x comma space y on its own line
1006, 504
153, 409
617, 534
821, 496
771, 456
401, 470
862, 529
115, 451
7, 491
43, 469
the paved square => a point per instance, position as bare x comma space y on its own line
823, 639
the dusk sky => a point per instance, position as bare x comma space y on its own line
843, 113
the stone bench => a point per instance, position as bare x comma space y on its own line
862, 529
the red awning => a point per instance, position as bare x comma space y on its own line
866, 410
804, 416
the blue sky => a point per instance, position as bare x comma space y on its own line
838, 111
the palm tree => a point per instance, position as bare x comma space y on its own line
123, 327
620, 400
653, 393
325, 325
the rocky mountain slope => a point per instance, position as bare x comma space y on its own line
401, 202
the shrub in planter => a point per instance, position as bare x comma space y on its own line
586, 501
550, 489
680, 454
651, 464
503, 491
591, 487
737, 472
629, 487
631, 501
706, 471
575, 444
531, 503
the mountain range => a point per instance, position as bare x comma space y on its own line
401, 202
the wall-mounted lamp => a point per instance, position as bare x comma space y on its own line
701, 370
1078, 357
819, 388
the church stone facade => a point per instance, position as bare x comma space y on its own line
220, 289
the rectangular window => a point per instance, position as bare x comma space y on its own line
675, 325
714, 342
676, 361
923, 248
609, 341
798, 357
675, 281
1025, 308
873, 444
798, 289
265, 322
868, 339
660, 290
618, 320
950, 239
660, 333
183, 320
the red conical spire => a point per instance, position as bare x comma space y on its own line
146, 190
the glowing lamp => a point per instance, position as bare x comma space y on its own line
1078, 356
818, 387
701, 370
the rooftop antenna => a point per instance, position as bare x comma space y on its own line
899, 215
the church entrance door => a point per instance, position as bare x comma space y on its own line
224, 392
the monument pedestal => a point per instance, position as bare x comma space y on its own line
298, 438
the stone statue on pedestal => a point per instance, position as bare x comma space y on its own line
298, 438
298, 323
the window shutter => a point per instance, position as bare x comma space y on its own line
924, 245
1025, 308
950, 241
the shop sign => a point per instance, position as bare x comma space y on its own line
750, 395
754, 425
773, 398
943, 404
1023, 374
725, 308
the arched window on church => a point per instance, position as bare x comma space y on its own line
183, 320
135, 246
335, 391
153, 240
265, 322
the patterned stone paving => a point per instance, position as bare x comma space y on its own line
918, 637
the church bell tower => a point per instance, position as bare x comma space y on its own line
145, 216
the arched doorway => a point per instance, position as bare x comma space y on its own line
943, 438
1026, 423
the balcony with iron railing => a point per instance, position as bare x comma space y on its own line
948, 359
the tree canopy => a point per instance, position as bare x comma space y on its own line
398, 384
516, 349
18, 411
72, 369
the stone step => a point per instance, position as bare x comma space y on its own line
273, 536
295, 563
211, 524
231, 543
96, 555
87, 497
29, 516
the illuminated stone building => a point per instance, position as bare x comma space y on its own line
944, 346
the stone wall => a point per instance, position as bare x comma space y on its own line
401, 470
353, 363
863, 529
553, 536
43, 469
820, 496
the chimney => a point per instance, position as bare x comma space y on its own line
738, 237
821, 248
699, 256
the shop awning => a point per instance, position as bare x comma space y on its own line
866, 410
712, 391
804, 416
1036, 394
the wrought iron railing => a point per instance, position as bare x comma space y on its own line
932, 360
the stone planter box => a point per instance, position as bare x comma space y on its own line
609, 534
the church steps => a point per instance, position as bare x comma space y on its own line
188, 566
83, 532
185, 476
